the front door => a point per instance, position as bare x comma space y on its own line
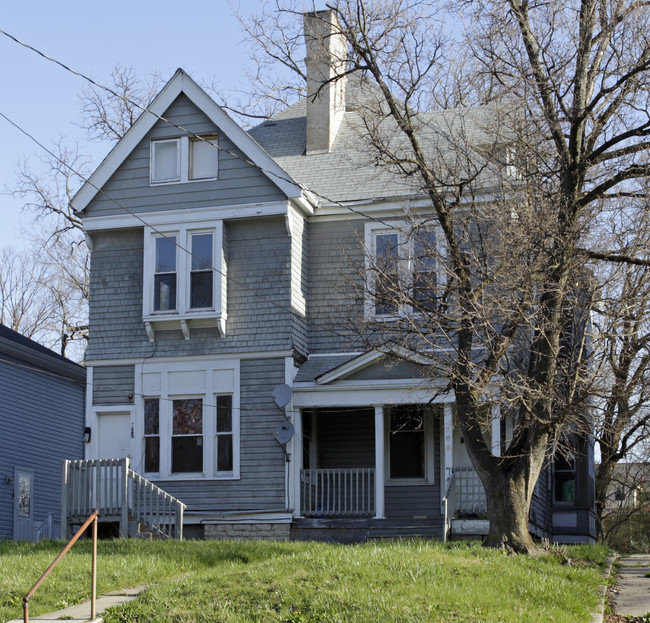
114, 436
23, 504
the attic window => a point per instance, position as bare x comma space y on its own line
183, 159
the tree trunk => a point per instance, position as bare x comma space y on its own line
508, 503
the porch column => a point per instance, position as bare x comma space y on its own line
296, 456
379, 462
496, 429
449, 446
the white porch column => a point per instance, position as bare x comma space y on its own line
496, 429
296, 455
448, 436
379, 462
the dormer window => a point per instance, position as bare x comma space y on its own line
183, 159
184, 277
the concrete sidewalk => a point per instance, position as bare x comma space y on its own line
632, 595
81, 612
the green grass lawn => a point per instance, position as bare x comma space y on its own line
382, 582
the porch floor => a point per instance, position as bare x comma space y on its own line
341, 530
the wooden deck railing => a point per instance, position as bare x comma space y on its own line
118, 493
338, 492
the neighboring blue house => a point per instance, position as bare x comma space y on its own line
41, 423
220, 366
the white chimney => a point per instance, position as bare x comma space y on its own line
327, 51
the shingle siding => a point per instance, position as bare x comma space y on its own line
259, 298
41, 423
335, 271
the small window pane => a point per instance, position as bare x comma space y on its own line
187, 454
224, 453
188, 417
565, 487
151, 416
166, 254
387, 276
25, 496
202, 252
204, 159
166, 162
201, 289
424, 269
152, 454
224, 414
164, 292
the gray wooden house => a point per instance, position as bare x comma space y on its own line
41, 423
215, 366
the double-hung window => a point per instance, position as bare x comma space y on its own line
224, 435
184, 277
152, 435
402, 269
164, 293
182, 159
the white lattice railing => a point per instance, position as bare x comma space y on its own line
338, 492
116, 491
468, 491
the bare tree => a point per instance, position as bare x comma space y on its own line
518, 208
57, 237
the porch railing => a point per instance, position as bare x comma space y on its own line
118, 493
338, 492
469, 492
48, 529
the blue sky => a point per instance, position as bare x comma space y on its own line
203, 37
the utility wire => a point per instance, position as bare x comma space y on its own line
188, 132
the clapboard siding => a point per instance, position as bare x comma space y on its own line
345, 439
42, 422
113, 385
239, 182
262, 483
258, 296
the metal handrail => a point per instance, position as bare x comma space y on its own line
93, 584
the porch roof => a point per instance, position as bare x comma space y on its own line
318, 365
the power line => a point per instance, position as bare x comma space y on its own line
185, 130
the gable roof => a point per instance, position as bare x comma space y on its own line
349, 172
182, 83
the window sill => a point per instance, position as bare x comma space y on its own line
179, 181
184, 322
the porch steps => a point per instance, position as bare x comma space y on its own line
341, 530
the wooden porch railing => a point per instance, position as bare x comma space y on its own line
118, 493
469, 493
338, 492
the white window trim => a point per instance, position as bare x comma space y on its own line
429, 451
183, 316
183, 161
405, 264
152, 163
208, 395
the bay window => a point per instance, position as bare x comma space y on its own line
184, 277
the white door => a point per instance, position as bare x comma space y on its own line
23, 504
114, 435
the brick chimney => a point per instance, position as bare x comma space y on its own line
327, 52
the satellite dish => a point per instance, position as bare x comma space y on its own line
284, 432
282, 395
